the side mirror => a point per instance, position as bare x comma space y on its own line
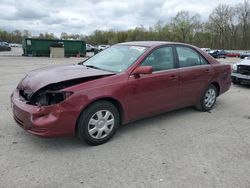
143, 70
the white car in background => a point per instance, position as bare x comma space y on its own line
241, 72
206, 49
102, 47
15, 45
90, 48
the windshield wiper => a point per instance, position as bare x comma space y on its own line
92, 66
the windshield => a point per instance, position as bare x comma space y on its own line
116, 58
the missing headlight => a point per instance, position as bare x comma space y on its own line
51, 97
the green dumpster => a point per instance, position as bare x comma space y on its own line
41, 47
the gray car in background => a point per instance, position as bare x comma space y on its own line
4, 46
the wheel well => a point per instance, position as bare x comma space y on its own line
109, 99
217, 87
117, 105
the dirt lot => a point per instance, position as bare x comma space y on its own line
184, 148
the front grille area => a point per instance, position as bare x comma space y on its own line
26, 95
244, 69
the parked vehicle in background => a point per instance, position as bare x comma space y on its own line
232, 54
4, 46
241, 72
206, 49
218, 53
90, 48
15, 45
123, 83
102, 47
244, 54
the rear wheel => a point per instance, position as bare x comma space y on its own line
98, 123
208, 99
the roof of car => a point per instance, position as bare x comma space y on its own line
147, 43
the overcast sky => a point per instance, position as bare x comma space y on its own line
83, 17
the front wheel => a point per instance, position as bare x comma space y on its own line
98, 123
208, 99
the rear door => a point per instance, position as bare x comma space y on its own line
195, 75
154, 93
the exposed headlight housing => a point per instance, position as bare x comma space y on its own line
51, 97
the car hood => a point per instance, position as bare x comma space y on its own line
40, 78
244, 62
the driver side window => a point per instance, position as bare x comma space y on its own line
160, 59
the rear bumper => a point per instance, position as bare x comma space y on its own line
47, 121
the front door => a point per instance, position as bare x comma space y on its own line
157, 92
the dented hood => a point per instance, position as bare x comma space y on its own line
40, 78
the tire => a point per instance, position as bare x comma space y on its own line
236, 80
98, 123
208, 99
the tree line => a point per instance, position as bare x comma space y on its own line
228, 27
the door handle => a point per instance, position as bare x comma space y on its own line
207, 71
173, 77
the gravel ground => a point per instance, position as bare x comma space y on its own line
183, 148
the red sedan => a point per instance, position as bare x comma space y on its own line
232, 54
121, 84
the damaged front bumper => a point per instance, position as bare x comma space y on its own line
44, 121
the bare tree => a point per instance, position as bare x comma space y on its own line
64, 35
26, 34
184, 26
232, 27
219, 23
243, 11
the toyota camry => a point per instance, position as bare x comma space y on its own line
124, 83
